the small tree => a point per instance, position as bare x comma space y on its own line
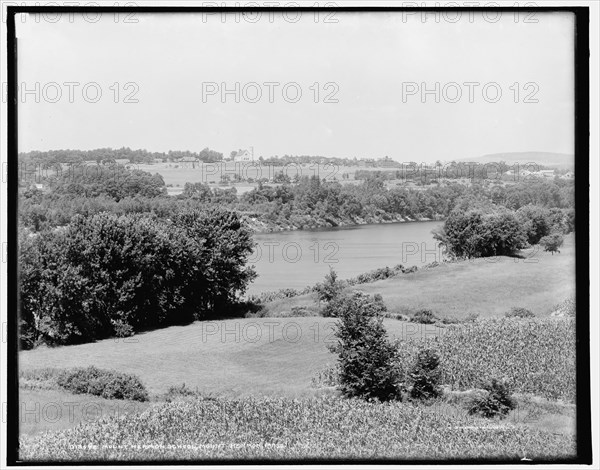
552, 242
425, 376
330, 288
367, 361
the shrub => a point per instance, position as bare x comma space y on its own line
497, 401
552, 242
370, 306
423, 316
367, 360
330, 288
103, 383
519, 312
425, 376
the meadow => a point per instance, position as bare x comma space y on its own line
245, 389
487, 287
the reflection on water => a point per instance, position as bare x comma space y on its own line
300, 258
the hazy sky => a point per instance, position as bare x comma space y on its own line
375, 65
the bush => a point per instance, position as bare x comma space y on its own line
367, 360
331, 288
478, 233
370, 306
497, 402
103, 383
552, 242
425, 376
423, 316
519, 312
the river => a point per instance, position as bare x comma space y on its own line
296, 259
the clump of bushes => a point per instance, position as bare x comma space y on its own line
359, 301
376, 275
367, 361
103, 383
519, 312
424, 316
497, 402
425, 376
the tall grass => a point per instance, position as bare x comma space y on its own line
284, 428
533, 356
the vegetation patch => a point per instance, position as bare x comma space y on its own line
284, 428
497, 402
536, 355
103, 383
519, 312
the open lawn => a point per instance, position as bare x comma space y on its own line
274, 356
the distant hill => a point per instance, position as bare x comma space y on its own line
558, 160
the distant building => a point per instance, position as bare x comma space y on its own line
188, 162
569, 175
520, 173
243, 156
546, 173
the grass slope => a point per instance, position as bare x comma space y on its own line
225, 357
485, 286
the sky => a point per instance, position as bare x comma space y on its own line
346, 86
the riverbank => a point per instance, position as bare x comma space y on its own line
487, 287
262, 226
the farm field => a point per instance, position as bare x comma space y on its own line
268, 392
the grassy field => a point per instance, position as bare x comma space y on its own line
486, 287
274, 356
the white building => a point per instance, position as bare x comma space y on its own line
243, 156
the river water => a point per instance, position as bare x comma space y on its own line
300, 258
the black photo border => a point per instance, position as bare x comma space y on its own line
582, 155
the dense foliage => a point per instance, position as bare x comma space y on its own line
107, 275
109, 155
498, 231
103, 383
425, 376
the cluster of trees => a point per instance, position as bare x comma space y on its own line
307, 203
107, 275
109, 155
499, 231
